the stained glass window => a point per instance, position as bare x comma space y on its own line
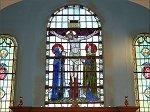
74, 59
141, 48
8, 48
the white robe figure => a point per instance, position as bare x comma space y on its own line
74, 41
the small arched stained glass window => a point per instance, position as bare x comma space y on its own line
141, 48
8, 49
74, 59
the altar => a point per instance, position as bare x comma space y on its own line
74, 109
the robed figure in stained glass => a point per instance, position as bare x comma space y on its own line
74, 41
74, 26
58, 74
89, 73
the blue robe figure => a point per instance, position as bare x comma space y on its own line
58, 75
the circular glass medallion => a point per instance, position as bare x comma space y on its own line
3, 53
145, 52
147, 92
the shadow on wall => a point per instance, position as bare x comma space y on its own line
108, 82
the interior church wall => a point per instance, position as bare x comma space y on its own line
121, 21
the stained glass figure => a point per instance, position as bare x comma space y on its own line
74, 41
74, 27
58, 74
3, 71
89, 74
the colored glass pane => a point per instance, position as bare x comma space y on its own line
145, 52
147, 92
73, 51
8, 48
146, 70
141, 46
3, 53
3, 71
2, 93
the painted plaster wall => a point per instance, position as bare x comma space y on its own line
121, 21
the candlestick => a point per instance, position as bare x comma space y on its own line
126, 102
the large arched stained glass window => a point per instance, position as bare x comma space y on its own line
8, 49
74, 64
141, 47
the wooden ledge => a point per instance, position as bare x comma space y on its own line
74, 109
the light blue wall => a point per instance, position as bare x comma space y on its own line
121, 20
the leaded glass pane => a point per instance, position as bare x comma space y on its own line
141, 47
74, 64
8, 49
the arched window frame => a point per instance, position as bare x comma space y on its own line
141, 53
61, 24
8, 52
